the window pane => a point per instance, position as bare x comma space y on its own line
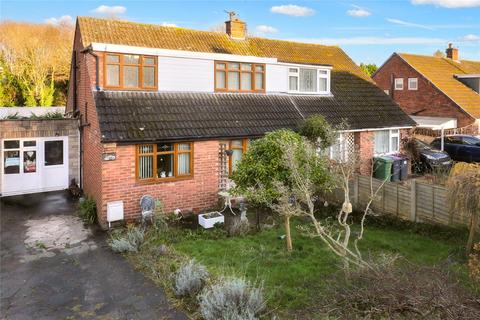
233, 66
258, 81
293, 70
258, 68
165, 165
164, 147
322, 83
11, 144
32, 143
221, 66
246, 81
148, 148
394, 144
11, 162
236, 157
183, 146
322, 71
145, 166
183, 163
113, 75
293, 83
233, 81
246, 67
149, 61
308, 80
29, 161
220, 80
113, 59
130, 76
53, 152
131, 59
148, 76
237, 144
381, 141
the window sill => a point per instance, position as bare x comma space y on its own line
327, 94
128, 89
163, 180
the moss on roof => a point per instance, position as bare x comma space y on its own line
441, 72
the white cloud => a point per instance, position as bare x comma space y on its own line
293, 10
375, 41
358, 12
470, 38
168, 24
450, 3
110, 10
263, 29
409, 24
65, 19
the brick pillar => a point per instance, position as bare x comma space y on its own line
364, 142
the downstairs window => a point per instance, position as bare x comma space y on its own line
386, 141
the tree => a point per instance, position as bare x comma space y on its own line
369, 68
463, 188
317, 130
439, 54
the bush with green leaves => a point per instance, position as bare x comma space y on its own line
318, 131
87, 210
129, 241
190, 279
232, 299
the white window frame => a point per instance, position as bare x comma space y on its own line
410, 82
398, 83
341, 142
392, 133
322, 73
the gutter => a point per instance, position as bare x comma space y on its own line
89, 50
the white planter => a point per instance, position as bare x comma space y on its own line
208, 223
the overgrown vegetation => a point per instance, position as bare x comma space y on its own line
87, 210
190, 279
128, 241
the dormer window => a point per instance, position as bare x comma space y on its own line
308, 80
239, 77
130, 72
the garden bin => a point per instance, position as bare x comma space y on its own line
382, 167
396, 168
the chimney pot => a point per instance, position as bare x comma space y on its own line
452, 53
235, 28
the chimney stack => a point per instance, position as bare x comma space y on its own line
452, 53
236, 28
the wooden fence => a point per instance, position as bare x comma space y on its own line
410, 200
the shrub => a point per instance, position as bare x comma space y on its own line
190, 279
238, 227
233, 299
318, 131
87, 210
130, 241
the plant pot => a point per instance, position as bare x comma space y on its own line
209, 219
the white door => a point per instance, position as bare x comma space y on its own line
34, 165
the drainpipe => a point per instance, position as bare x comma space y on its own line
89, 50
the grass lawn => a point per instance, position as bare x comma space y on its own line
292, 281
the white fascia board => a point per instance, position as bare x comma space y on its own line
179, 53
301, 65
377, 129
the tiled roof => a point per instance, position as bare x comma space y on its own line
441, 71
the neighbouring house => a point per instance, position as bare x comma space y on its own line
435, 91
168, 112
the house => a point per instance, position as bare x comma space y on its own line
160, 105
436, 91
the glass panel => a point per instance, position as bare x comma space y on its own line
233, 80
394, 144
148, 76
258, 81
147, 148
220, 81
29, 161
164, 147
149, 61
233, 66
31, 143
322, 83
293, 70
246, 81
131, 59
236, 157
183, 146
221, 66
11, 162
308, 80
381, 141
11, 144
237, 144
322, 71
258, 68
183, 163
293, 83
145, 167
113, 59
113, 75
130, 76
246, 67
165, 165
53, 153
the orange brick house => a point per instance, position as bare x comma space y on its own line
434, 87
160, 107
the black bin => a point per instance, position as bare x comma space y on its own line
396, 168
404, 168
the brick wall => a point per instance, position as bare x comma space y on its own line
10, 129
198, 193
427, 99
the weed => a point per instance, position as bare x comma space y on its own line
87, 210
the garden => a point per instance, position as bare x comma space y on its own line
290, 254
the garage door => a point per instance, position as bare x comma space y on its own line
34, 165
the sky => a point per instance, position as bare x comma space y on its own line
368, 30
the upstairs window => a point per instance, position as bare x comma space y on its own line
130, 72
412, 84
398, 83
239, 77
308, 80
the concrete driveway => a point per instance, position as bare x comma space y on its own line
52, 267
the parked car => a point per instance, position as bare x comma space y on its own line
460, 147
427, 158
